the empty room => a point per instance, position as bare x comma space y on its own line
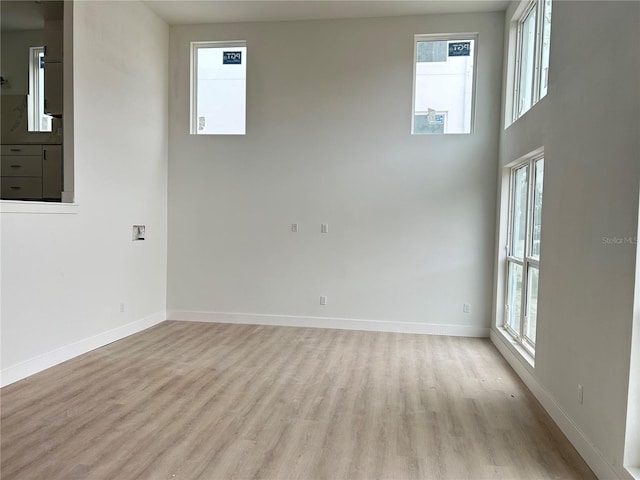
320, 239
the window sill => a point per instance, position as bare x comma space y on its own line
21, 206
519, 349
634, 472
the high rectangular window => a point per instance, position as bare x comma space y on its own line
443, 87
218, 88
523, 251
533, 34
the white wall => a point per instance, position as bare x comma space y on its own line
588, 124
65, 275
328, 141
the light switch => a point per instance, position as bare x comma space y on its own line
138, 232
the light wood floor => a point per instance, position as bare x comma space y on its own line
211, 401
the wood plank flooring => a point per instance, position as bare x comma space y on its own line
188, 400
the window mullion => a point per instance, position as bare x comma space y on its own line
511, 212
523, 300
529, 210
534, 70
537, 59
518, 73
194, 88
527, 251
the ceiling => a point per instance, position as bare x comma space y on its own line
231, 11
28, 15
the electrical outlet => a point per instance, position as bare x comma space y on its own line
580, 394
324, 228
323, 300
466, 307
294, 227
138, 232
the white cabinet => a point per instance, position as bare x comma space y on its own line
31, 172
53, 55
53, 90
52, 172
53, 40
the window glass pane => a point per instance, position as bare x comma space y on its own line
429, 123
546, 37
434, 51
519, 212
527, 60
443, 83
532, 303
221, 90
514, 296
537, 209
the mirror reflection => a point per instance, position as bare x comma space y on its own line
32, 100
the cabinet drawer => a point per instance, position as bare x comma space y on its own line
21, 150
21, 166
21, 188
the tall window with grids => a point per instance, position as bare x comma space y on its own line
523, 251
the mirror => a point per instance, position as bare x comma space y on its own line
31, 135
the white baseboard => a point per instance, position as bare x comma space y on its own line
590, 454
329, 322
37, 364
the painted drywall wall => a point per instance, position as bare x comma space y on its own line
64, 276
328, 141
588, 124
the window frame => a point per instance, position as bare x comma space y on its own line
527, 260
518, 20
446, 37
193, 112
